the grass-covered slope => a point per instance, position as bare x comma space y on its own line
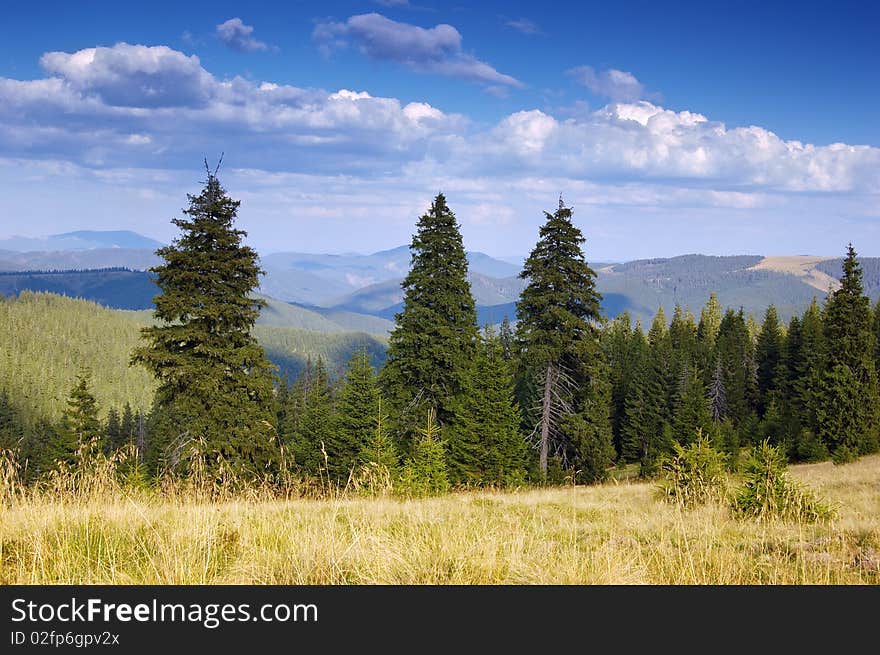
615, 533
47, 339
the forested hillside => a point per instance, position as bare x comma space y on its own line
46, 340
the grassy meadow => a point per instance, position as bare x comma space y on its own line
615, 533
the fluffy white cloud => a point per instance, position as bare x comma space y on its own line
135, 105
238, 36
612, 83
133, 75
432, 50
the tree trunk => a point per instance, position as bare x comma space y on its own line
545, 419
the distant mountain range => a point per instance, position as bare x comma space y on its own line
81, 240
352, 292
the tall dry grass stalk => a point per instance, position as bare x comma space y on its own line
106, 528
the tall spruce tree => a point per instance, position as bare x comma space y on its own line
848, 396
692, 410
355, 416
877, 336
485, 444
113, 436
622, 347
215, 383
433, 343
80, 431
768, 355
558, 338
313, 429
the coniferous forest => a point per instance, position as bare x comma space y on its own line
557, 393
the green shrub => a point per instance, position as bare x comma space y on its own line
767, 492
693, 475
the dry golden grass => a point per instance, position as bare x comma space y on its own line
617, 533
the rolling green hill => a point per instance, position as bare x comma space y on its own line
47, 339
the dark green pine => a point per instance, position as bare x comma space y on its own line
847, 408
768, 355
357, 405
215, 382
434, 341
692, 410
877, 336
313, 429
485, 446
80, 430
113, 437
557, 332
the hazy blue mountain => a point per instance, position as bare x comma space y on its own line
326, 280
82, 240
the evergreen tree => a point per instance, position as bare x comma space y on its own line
848, 396
692, 412
485, 446
717, 393
314, 427
127, 424
877, 336
768, 355
214, 379
507, 338
434, 342
624, 349
556, 333
733, 346
425, 473
79, 433
355, 417
379, 450
645, 430
710, 323
113, 437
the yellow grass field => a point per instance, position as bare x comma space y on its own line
617, 533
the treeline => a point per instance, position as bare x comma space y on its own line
563, 394
70, 271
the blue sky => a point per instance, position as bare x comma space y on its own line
739, 127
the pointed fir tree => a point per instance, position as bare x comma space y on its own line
127, 424
507, 338
354, 421
877, 336
624, 349
379, 450
557, 332
80, 433
425, 473
645, 431
314, 428
113, 436
710, 323
692, 412
214, 379
847, 411
434, 340
717, 394
768, 355
485, 444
